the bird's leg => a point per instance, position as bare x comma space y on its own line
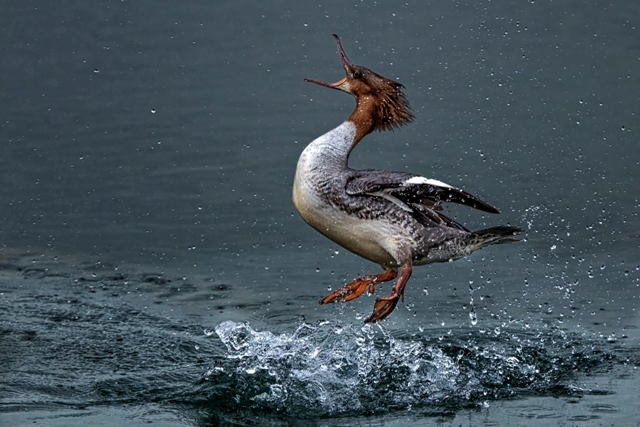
384, 306
356, 288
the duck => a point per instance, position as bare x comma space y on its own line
393, 219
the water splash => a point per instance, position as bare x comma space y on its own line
329, 368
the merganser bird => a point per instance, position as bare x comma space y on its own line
390, 218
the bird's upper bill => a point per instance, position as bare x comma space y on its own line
348, 68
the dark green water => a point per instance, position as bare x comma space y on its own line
152, 268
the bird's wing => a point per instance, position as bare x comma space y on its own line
411, 191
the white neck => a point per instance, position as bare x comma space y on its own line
331, 149
322, 167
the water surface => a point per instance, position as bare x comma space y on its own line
154, 270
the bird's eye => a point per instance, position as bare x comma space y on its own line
357, 74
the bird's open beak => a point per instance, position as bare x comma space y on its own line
343, 84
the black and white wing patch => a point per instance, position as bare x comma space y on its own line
411, 191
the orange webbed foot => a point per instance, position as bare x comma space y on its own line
351, 291
382, 308
356, 288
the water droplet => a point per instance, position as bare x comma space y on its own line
473, 317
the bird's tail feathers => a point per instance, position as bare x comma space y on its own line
497, 235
